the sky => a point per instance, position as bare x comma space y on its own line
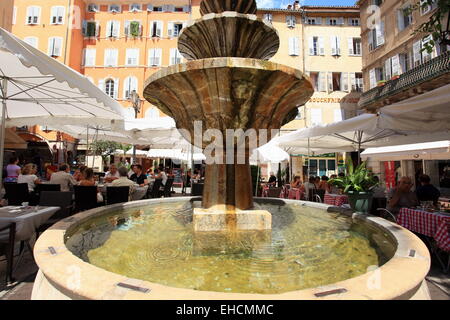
284, 3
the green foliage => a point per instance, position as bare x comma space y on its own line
107, 148
437, 25
134, 29
357, 180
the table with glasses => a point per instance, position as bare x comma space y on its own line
335, 199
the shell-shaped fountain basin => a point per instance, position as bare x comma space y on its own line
229, 93
215, 6
229, 34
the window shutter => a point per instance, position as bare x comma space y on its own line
116, 29
158, 59
97, 29
170, 29
311, 46
90, 57
322, 81
353, 81
333, 45
330, 81
101, 84
83, 57
321, 46
337, 115
328, 21
84, 29
371, 44
340, 21
417, 54
319, 21
58, 47
186, 9
388, 69
380, 33
159, 30
344, 81
372, 78
54, 15
296, 46
127, 28
149, 7
109, 29
116, 88
350, 46
291, 46
395, 65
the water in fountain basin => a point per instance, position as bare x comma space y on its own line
306, 248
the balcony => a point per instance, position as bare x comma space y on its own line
428, 76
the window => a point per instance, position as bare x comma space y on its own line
356, 81
135, 7
294, 48
152, 113
179, 9
377, 2
335, 43
92, 8
174, 29
355, 22
57, 15
404, 17
114, 8
316, 116
33, 14
54, 46
313, 21
404, 62
338, 81
426, 56
318, 80
354, 46
388, 69
154, 57
337, 115
111, 57
156, 29
175, 56
290, 21
168, 8
316, 46
335, 21
133, 29
425, 7
91, 29
376, 36
268, 17
110, 87
379, 74
113, 29
89, 57
32, 41
130, 85
132, 57
157, 9
372, 79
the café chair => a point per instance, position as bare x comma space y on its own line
85, 198
47, 187
60, 199
155, 191
8, 235
167, 188
16, 193
386, 214
274, 192
117, 195
197, 189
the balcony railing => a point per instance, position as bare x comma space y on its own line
427, 71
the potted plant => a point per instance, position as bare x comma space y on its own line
395, 77
381, 83
357, 185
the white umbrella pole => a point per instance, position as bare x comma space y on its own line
309, 160
257, 180
87, 143
3, 129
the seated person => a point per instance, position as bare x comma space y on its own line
272, 178
161, 175
426, 191
317, 182
112, 174
63, 178
78, 174
139, 177
28, 176
89, 181
296, 183
308, 186
123, 180
402, 196
323, 184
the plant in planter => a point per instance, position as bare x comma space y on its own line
357, 185
381, 83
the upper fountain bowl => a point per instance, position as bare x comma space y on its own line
229, 34
214, 6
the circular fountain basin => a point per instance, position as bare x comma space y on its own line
148, 250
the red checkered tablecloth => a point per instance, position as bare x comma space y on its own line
335, 199
295, 194
431, 224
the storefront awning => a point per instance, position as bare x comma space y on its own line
439, 150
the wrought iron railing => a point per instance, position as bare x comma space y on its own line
431, 69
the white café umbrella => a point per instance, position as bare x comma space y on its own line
36, 89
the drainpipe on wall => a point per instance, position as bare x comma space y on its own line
67, 30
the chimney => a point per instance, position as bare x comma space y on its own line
289, 7
297, 5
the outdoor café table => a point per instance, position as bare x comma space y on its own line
335, 199
435, 225
295, 193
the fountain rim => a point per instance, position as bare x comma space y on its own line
225, 62
401, 276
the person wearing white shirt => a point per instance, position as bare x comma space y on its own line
29, 177
63, 178
112, 174
123, 180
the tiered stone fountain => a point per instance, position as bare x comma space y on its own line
228, 83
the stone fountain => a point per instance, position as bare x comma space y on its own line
228, 83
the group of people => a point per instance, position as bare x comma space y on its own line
314, 183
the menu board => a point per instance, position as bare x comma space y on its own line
178, 178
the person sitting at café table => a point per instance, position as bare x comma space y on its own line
139, 177
63, 178
29, 177
12, 170
161, 175
402, 196
310, 184
272, 178
296, 183
426, 191
123, 180
89, 181
112, 174
317, 182
78, 174
323, 185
